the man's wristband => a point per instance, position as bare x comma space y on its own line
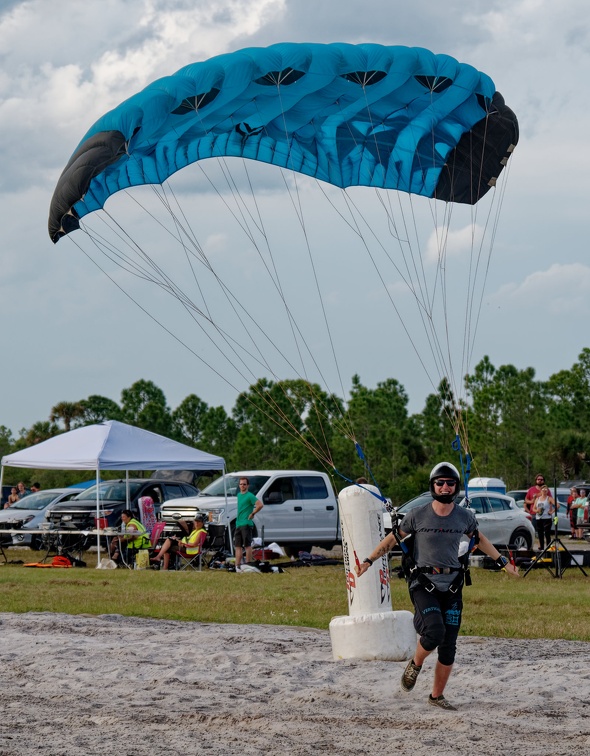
501, 561
368, 561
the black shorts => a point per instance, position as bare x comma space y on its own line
437, 619
243, 536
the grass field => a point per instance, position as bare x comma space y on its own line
496, 605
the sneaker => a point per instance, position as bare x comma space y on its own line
410, 676
441, 702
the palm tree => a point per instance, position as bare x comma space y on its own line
66, 411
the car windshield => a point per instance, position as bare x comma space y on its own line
35, 501
424, 499
110, 490
413, 503
217, 488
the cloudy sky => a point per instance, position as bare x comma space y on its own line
69, 332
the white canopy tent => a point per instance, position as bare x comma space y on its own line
111, 445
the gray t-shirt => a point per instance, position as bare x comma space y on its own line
437, 539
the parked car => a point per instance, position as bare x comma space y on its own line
80, 512
498, 517
300, 507
563, 520
29, 513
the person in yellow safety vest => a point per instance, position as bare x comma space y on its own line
132, 541
190, 545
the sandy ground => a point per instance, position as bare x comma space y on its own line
114, 685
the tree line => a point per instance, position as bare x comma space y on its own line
516, 426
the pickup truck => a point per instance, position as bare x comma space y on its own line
300, 507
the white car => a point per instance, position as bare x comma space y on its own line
498, 517
29, 513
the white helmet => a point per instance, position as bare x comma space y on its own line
444, 470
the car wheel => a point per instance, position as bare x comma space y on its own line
36, 542
521, 540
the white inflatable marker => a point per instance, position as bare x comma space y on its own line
371, 630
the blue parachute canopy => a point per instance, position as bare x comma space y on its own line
352, 115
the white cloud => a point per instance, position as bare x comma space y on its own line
448, 243
558, 290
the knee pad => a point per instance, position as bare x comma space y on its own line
432, 636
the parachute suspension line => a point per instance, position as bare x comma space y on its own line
316, 451
260, 228
465, 468
315, 400
402, 322
298, 208
345, 419
265, 397
166, 202
495, 223
275, 278
422, 306
441, 234
451, 411
189, 307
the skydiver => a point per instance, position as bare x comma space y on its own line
436, 586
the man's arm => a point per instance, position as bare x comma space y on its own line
257, 507
383, 548
490, 550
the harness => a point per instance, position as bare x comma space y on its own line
412, 572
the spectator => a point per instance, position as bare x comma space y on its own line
572, 513
543, 508
35, 487
532, 493
248, 506
189, 545
12, 498
579, 506
21, 490
136, 538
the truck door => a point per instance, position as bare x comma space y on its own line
282, 515
320, 517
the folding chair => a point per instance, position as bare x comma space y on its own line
147, 513
190, 561
155, 536
216, 544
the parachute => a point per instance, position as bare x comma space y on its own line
351, 115
339, 118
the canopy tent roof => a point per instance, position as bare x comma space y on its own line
112, 446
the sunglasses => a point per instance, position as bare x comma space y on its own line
440, 482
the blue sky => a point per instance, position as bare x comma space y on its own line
69, 333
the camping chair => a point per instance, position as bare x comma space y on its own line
147, 514
215, 544
190, 561
130, 556
155, 537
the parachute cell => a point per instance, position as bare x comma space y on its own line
351, 115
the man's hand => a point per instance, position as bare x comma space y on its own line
361, 568
511, 569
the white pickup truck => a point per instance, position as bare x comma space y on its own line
300, 507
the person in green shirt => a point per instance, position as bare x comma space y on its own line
248, 506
